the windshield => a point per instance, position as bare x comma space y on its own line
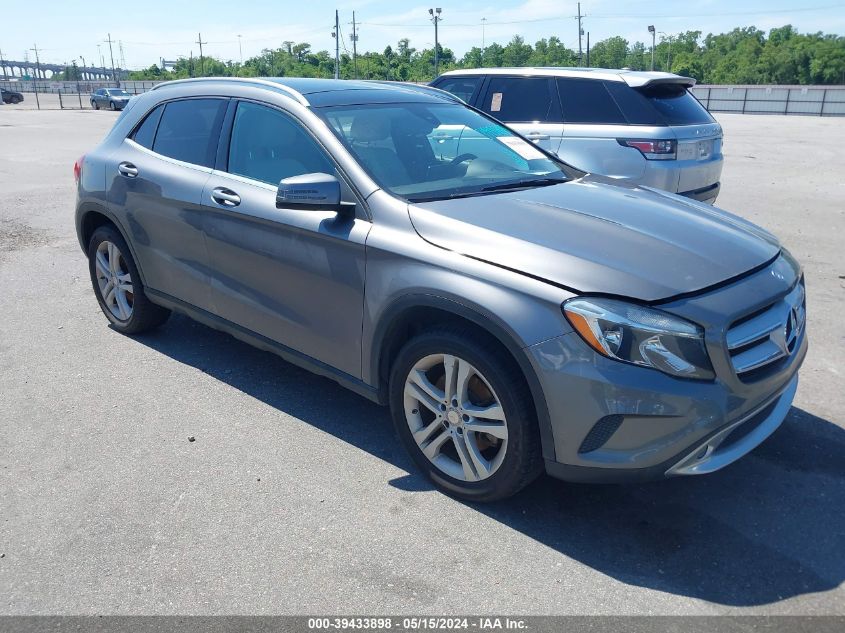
118, 93
422, 152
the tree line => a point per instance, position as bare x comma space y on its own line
745, 55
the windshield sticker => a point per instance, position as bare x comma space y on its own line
523, 148
496, 102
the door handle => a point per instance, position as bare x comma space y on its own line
127, 169
225, 197
537, 136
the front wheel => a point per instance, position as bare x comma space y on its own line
112, 106
95, 105
117, 284
462, 409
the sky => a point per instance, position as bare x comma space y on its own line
151, 29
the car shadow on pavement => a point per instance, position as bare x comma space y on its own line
766, 529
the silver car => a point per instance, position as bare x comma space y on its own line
516, 314
643, 127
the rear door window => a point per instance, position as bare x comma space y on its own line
676, 105
462, 87
189, 129
522, 100
145, 133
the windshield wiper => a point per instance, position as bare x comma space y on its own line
504, 186
523, 184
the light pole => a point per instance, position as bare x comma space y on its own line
653, 42
83, 67
483, 42
435, 18
240, 50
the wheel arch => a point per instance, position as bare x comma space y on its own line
414, 313
90, 217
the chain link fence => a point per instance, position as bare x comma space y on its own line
741, 99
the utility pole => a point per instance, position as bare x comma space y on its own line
653, 41
240, 50
111, 54
435, 18
122, 57
83, 67
2, 64
37, 73
336, 36
483, 42
354, 45
580, 33
588, 49
100, 55
202, 60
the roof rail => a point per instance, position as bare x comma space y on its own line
298, 96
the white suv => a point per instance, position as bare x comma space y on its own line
645, 127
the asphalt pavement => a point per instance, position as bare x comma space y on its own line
295, 497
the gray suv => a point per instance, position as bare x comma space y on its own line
516, 314
644, 127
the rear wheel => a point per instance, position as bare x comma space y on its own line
462, 409
118, 286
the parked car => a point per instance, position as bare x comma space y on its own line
515, 313
10, 96
644, 127
111, 98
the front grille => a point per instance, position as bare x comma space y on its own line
759, 340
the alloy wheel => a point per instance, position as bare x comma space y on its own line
114, 280
455, 417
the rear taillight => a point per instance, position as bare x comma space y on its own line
653, 150
77, 169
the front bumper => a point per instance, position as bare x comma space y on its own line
613, 421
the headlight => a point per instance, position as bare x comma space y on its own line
641, 336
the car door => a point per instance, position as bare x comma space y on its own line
529, 105
293, 276
155, 182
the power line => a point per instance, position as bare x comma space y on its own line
614, 16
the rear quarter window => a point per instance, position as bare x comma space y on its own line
145, 133
588, 101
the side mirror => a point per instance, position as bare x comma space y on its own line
312, 192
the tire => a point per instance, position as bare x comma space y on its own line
112, 107
16, 100
511, 451
95, 105
142, 314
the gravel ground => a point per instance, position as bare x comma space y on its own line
295, 497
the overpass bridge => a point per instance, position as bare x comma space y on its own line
10, 69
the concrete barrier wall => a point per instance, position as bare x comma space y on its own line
801, 100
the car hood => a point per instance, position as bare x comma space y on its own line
591, 236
